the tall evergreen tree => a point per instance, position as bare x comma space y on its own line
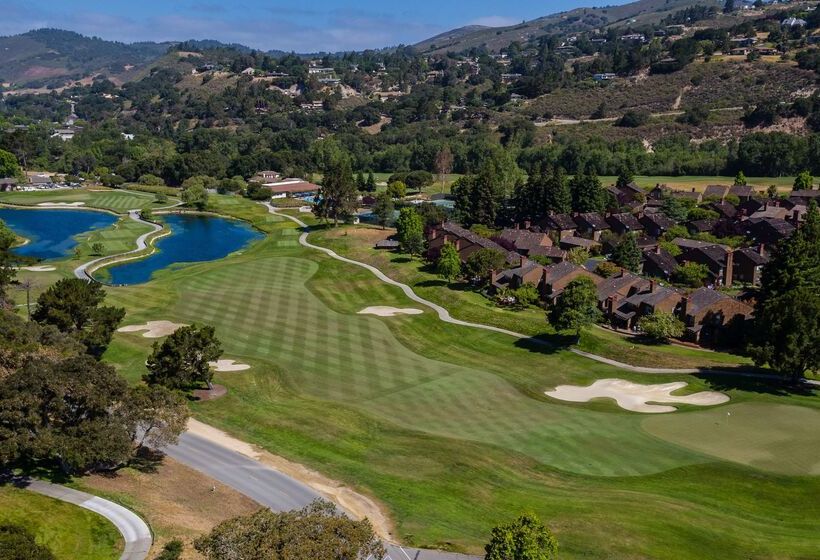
627, 254
786, 333
337, 197
558, 195
587, 193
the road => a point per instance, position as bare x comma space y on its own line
134, 531
267, 486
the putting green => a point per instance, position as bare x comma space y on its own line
778, 438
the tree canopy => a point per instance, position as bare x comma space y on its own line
526, 538
577, 306
786, 333
181, 360
316, 531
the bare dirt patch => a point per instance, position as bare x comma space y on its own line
176, 501
357, 505
635, 396
153, 329
215, 392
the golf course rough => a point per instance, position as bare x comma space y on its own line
429, 417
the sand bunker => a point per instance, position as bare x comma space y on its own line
153, 329
39, 268
305, 209
228, 365
635, 397
61, 204
385, 311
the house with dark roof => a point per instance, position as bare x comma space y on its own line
743, 192
719, 259
702, 226
627, 194
713, 318
717, 192
625, 313
624, 223
591, 225
655, 225
559, 225
659, 263
553, 253
569, 243
528, 273
748, 264
767, 230
692, 195
620, 286
522, 241
804, 196
659, 192
465, 241
557, 276
725, 209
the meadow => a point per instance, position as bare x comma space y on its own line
448, 426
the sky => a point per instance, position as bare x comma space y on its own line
295, 25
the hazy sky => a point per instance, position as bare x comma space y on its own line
301, 25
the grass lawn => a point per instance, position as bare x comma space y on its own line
465, 304
700, 182
449, 427
68, 530
118, 201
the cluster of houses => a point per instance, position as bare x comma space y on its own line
711, 316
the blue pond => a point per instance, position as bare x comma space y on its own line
193, 239
51, 232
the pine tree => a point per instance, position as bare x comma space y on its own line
587, 193
370, 186
786, 332
337, 197
627, 254
361, 184
558, 195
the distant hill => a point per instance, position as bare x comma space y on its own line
580, 19
51, 57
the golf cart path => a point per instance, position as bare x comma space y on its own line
445, 316
236, 465
142, 244
134, 530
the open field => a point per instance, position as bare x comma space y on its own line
700, 182
448, 426
68, 530
118, 201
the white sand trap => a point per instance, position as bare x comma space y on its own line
305, 209
61, 204
153, 329
228, 365
635, 397
39, 268
385, 311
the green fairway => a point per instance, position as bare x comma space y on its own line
448, 426
118, 201
700, 182
773, 437
68, 530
